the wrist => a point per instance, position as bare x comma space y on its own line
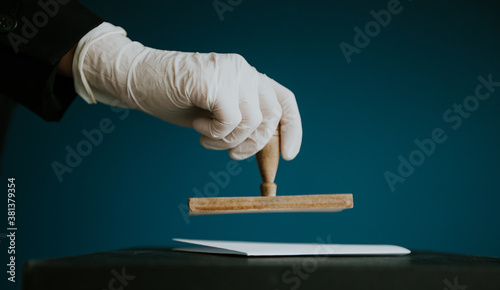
100, 65
65, 65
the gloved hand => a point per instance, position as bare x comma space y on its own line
220, 95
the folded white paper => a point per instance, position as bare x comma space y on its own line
287, 249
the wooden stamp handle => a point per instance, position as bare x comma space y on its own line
267, 160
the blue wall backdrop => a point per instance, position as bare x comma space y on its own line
360, 118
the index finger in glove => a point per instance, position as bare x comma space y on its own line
271, 114
291, 124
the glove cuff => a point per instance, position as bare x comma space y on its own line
86, 84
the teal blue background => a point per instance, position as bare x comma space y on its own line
357, 118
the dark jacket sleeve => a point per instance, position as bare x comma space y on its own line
34, 36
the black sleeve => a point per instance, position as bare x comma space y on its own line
34, 36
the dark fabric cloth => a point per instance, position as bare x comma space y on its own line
46, 30
156, 268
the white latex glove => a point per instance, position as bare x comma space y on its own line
220, 95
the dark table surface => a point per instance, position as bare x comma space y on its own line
162, 268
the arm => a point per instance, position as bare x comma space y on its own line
221, 96
29, 71
64, 66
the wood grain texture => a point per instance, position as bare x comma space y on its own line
268, 159
257, 204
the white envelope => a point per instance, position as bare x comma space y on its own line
287, 249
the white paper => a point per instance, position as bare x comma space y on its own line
287, 249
